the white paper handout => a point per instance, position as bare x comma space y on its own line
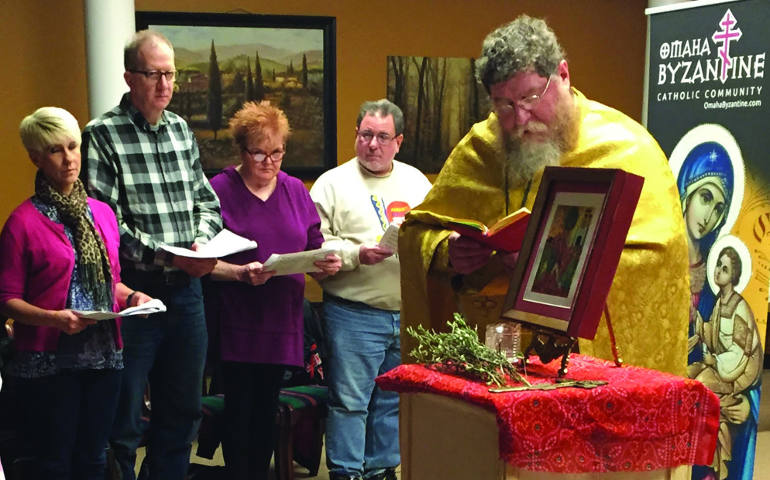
224, 243
390, 238
299, 262
153, 306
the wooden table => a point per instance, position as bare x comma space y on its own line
443, 439
642, 425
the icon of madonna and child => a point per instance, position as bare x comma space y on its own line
725, 349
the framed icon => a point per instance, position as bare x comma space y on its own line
572, 248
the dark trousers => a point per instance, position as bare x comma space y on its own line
66, 420
251, 403
167, 350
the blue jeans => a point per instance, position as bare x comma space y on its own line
168, 350
66, 420
362, 426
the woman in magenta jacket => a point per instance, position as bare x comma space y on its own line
59, 253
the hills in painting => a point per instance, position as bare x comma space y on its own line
220, 68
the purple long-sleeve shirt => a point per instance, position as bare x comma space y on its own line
263, 324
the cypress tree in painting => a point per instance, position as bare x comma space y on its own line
249, 81
238, 85
259, 84
304, 71
214, 113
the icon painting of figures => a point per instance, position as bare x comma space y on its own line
707, 107
562, 251
567, 238
731, 356
725, 344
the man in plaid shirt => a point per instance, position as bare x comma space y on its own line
143, 161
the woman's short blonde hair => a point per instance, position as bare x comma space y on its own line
47, 126
256, 121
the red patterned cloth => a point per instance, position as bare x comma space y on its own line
641, 420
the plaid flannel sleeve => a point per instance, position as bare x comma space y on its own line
101, 179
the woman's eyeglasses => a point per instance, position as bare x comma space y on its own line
260, 156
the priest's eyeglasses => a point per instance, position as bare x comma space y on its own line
154, 75
260, 156
527, 103
383, 138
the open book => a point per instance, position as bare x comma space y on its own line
506, 234
224, 243
153, 306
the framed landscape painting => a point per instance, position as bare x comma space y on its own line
572, 247
441, 100
224, 60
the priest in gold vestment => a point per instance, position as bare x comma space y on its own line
539, 119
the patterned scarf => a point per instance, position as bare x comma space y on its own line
93, 263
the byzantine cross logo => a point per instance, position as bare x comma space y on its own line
725, 36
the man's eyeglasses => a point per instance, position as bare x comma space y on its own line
154, 75
383, 138
259, 156
527, 103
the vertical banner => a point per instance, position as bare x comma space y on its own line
709, 109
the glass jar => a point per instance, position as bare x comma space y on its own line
505, 337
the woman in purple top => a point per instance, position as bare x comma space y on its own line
59, 253
260, 323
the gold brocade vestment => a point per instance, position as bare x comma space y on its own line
649, 298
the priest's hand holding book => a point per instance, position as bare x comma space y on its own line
472, 243
466, 255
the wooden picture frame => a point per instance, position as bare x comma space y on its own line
289, 60
572, 248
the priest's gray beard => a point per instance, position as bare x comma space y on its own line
524, 158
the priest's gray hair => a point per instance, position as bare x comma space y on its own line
525, 44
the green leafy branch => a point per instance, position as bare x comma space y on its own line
460, 352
